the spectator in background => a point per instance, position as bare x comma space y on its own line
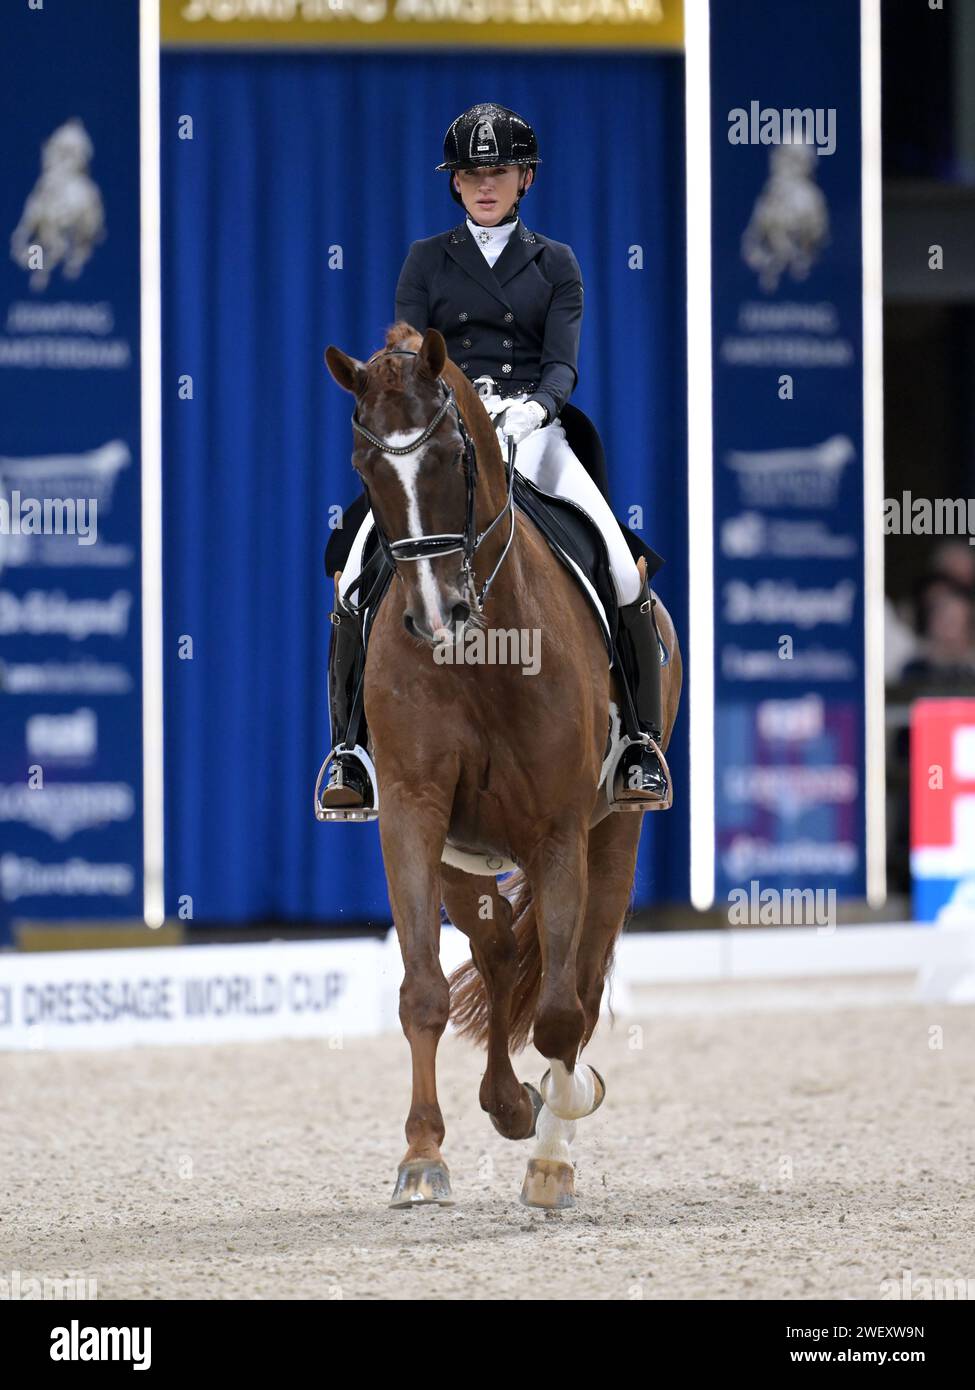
946, 628
955, 559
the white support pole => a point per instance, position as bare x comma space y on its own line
700, 449
875, 791
151, 470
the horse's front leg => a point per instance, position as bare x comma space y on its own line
412, 832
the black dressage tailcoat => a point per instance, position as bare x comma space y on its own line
517, 321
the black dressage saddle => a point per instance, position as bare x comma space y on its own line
569, 528
573, 538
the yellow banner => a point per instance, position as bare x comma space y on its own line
423, 23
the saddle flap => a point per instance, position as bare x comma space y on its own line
577, 543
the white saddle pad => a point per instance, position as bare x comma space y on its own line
564, 491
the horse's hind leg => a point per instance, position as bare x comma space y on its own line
570, 1094
558, 876
412, 838
476, 908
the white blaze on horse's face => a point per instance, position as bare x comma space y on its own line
430, 609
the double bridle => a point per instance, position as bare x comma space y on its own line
413, 548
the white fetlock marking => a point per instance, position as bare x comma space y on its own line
482, 865
553, 1137
570, 1094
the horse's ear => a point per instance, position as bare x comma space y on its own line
347, 371
432, 355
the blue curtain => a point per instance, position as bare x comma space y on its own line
293, 155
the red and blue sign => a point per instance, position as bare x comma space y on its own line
943, 808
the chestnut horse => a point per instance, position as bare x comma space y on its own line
495, 763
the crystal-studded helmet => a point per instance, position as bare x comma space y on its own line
488, 135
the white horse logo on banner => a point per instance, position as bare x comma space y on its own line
63, 218
789, 224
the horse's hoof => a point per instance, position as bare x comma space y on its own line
600, 1088
421, 1182
537, 1103
549, 1183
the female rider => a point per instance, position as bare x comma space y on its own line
508, 302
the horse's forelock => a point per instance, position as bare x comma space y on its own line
386, 371
389, 371
402, 334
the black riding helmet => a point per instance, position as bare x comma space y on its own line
487, 135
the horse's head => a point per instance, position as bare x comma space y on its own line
418, 495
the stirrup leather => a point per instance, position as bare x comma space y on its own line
348, 813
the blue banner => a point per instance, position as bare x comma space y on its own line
788, 443
273, 252
70, 648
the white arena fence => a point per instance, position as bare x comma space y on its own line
341, 989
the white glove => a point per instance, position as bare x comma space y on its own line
522, 420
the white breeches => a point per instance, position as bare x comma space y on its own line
546, 460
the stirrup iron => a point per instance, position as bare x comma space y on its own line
632, 804
347, 813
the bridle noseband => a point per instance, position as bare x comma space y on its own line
413, 548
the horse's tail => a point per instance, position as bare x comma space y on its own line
468, 997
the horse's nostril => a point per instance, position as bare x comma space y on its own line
461, 612
409, 624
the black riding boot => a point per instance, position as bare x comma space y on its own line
348, 794
642, 777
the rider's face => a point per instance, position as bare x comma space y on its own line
488, 194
